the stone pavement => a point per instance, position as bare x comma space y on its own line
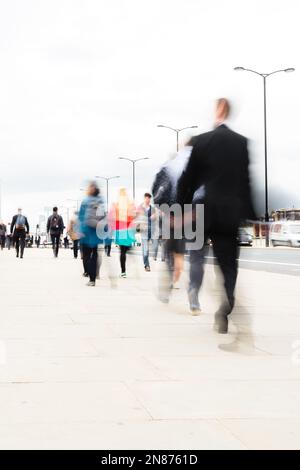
114, 369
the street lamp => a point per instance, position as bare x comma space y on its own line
133, 161
107, 179
264, 77
177, 132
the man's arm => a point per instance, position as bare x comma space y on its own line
246, 192
48, 224
27, 225
189, 180
62, 225
12, 225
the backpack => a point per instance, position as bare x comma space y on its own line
55, 223
20, 222
162, 188
94, 214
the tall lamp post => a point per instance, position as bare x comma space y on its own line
264, 77
133, 161
107, 179
177, 132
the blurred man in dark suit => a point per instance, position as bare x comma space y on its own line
19, 228
219, 163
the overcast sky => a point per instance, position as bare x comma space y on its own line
83, 82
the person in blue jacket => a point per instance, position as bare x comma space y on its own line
90, 214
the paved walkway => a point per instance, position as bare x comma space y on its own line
113, 368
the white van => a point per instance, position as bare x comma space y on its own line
285, 233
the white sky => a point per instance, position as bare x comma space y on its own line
85, 81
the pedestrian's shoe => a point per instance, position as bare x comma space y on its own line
123, 275
221, 323
163, 297
85, 275
164, 293
147, 269
195, 311
91, 284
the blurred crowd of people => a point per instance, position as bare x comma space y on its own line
211, 171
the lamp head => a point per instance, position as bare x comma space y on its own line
239, 69
289, 70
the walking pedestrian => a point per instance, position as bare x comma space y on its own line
2, 235
90, 214
19, 228
219, 161
108, 240
164, 194
121, 220
148, 223
55, 226
73, 232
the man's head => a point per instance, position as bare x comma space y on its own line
147, 199
222, 110
19, 210
55, 209
93, 189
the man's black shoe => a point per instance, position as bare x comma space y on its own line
221, 323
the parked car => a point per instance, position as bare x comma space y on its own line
285, 233
244, 238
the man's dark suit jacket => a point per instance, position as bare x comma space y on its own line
13, 223
220, 162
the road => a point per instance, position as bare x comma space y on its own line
274, 260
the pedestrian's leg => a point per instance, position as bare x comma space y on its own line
108, 249
17, 243
75, 248
178, 266
57, 240
226, 252
196, 276
22, 243
99, 261
122, 259
155, 243
53, 243
123, 251
165, 283
163, 249
145, 249
93, 263
85, 259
